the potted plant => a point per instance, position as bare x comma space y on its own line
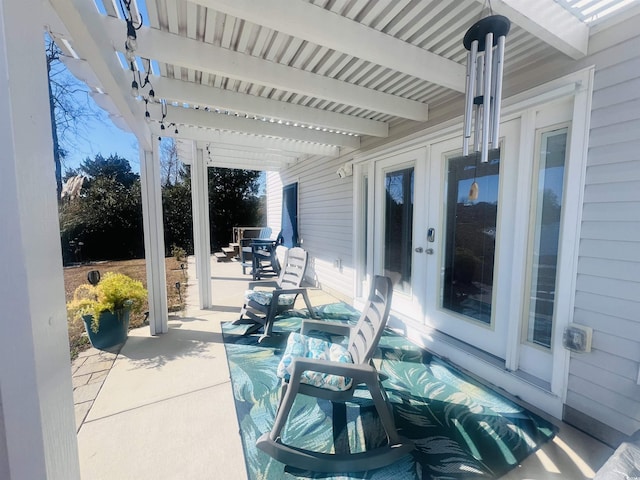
105, 308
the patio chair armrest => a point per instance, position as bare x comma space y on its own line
289, 291
268, 285
295, 291
360, 370
334, 328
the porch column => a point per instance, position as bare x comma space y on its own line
37, 421
201, 233
154, 238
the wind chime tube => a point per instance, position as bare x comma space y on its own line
467, 110
486, 97
499, 61
477, 97
486, 100
472, 59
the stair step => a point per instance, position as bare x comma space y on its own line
228, 249
221, 257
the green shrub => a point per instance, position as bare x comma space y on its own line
114, 293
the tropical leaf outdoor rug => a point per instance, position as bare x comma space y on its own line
462, 430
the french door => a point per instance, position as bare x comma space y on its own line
484, 253
468, 209
473, 248
398, 206
438, 243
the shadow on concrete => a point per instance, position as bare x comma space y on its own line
224, 308
178, 342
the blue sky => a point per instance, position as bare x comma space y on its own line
99, 135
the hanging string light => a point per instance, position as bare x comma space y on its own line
485, 41
137, 83
163, 107
131, 43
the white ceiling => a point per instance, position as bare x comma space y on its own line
261, 84
596, 11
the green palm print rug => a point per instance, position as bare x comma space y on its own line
461, 428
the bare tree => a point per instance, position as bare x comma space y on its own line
69, 106
170, 164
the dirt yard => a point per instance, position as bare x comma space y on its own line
76, 275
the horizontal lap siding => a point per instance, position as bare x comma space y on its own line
325, 219
273, 186
603, 383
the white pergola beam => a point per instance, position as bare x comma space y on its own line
235, 150
226, 162
323, 27
90, 42
197, 94
250, 155
216, 137
185, 52
234, 153
81, 70
217, 121
548, 21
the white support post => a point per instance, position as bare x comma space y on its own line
37, 421
201, 232
154, 239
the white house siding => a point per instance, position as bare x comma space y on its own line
603, 395
273, 185
325, 219
603, 384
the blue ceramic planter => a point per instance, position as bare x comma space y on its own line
113, 329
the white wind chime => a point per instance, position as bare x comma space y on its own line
485, 42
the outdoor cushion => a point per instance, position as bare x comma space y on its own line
309, 347
264, 298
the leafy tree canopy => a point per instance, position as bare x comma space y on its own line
106, 220
114, 167
233, 202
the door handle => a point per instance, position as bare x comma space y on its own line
431, 235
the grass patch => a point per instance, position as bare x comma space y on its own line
136, 269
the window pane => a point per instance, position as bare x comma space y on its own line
546, 234
470, 236
399, 228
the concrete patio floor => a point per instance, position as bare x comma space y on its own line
162, 407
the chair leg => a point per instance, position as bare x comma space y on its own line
380, 401
288, 395
268, 322
241, 320
307, 302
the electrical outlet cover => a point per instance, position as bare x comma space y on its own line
577, 338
